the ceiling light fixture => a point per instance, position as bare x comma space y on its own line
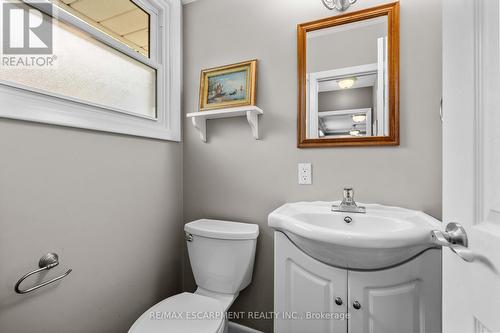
354, 131
340, 5
346, 83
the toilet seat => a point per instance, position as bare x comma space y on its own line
182, 313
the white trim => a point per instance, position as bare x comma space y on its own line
29, 106
44, 107
479, 96
345, 71
382, 88
344, 112
185, 2
312, 106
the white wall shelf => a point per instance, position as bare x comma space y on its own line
199, 119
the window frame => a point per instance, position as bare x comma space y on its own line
25, 103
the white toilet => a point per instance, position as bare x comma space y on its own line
222, 255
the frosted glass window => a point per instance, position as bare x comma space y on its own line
89, 71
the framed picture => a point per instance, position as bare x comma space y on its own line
228, 86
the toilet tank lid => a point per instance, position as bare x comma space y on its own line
222, 229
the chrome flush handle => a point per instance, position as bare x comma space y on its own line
456, 239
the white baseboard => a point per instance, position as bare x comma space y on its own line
237, 328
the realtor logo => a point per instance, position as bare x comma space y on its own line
26, 30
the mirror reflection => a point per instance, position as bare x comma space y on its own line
347, 80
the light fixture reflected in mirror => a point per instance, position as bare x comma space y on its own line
339, 5
354, 131
346, 83
359, 118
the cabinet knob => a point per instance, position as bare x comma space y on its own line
338, 301
356, 305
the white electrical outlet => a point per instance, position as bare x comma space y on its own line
305, 174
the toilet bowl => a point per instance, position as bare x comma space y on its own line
222, 256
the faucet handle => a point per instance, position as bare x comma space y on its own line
348, 204
348, 193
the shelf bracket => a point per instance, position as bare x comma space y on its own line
253, 121
252, 112
201, 126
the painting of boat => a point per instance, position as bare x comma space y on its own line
228, 86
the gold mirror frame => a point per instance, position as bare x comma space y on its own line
390, 10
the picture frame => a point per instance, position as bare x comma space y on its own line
228, 86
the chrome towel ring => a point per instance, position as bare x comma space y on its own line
48, 261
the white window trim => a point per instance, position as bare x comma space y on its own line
22, 103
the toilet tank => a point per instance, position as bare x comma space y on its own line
222, 254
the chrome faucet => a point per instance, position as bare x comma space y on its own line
348, 204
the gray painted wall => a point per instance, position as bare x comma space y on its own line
109, 205
345, 99
237, 178
345, 48
103, 201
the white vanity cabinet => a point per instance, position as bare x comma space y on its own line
304, 285
313, 297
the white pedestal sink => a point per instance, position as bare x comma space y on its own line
383, 237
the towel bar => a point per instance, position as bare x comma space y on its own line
48, 261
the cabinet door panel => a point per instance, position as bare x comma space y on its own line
403, 299
393, 308
305, 287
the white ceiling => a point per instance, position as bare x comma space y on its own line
121, 19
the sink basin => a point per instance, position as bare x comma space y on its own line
383, 237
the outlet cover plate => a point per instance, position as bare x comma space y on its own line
305, 173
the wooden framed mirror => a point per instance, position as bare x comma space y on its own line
348, 67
